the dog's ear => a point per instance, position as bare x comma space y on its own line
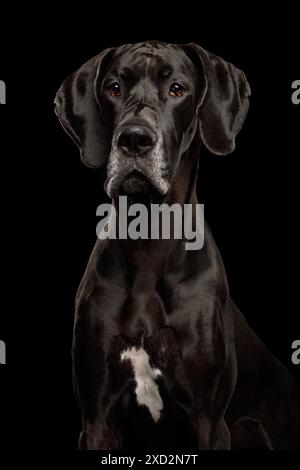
79, 112
224, 102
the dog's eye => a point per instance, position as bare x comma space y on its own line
177, 90
114, 89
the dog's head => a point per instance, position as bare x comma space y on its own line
137, 108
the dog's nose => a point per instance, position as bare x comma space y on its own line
136, 139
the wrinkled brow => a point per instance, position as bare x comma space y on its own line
166, 71
127, 72
163, 71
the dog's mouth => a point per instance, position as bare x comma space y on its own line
135, 183
139, 189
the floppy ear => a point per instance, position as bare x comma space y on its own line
224, 104
79, 113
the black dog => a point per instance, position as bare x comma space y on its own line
162, 356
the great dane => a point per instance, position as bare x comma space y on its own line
163, 358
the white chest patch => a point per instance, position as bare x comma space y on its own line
147, 391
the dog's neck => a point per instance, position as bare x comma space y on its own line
183, 191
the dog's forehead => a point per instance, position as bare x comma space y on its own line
152, 56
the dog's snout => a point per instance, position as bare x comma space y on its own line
136, 139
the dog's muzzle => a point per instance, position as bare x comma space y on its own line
137, 163
136, 140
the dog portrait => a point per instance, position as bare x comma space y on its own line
162, 355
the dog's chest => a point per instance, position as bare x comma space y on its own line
152, 361
146, 388
152, 346
143, 312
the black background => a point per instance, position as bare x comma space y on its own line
49, 198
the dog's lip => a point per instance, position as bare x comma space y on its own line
117, 185
136, 183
